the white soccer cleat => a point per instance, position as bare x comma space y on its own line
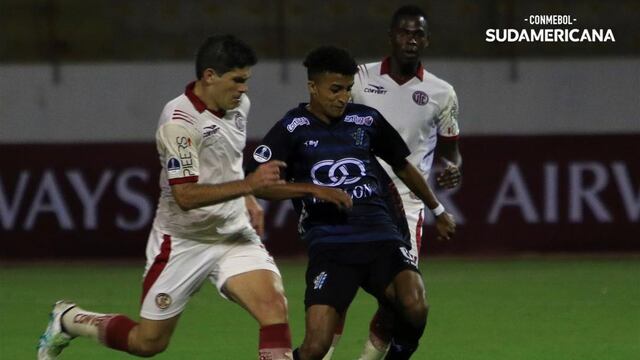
54, 339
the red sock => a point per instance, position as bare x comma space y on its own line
275, 342
114, 331
378, 329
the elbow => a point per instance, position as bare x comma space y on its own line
182, 198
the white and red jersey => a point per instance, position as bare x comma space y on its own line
422, 110
198, 145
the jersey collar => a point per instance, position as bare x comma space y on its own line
199, 104
385, 68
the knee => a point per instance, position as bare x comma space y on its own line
414, 309
151, 347
315, 349
272, 308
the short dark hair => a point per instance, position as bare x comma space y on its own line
330, 59
406, 10
223, 53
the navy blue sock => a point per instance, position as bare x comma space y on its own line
400, 351
296, 354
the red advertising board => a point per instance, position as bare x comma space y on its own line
519, 194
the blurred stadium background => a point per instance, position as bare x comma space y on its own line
545, 265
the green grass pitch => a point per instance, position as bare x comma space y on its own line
512, 309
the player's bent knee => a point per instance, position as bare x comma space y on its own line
272, 309
151, 348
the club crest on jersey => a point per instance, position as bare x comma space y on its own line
299, 121
420, 97
173, 166
359, 137
163, 301
262, 154
375, 89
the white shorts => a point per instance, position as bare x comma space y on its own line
414, 211
176, 269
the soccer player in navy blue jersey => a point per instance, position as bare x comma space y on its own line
333, 143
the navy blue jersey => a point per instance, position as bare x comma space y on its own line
341, 155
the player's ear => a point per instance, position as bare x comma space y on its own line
208, 75
311, 85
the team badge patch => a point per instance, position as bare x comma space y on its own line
262, 153
163, 301
420, 97
173, 166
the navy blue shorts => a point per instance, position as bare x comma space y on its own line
336, 271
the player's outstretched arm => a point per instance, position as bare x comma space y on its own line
296, 190
445, 224
193, 195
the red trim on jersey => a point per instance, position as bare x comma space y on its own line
419, 232
180, 117
198, 103
448, 138
385, 68
158, 265
184, 180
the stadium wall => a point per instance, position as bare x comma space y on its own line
550, 155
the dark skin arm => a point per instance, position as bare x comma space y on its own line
448, 153
445, 224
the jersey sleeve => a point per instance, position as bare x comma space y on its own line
274, 146
356, 90
387, 144
448, 118
178, 147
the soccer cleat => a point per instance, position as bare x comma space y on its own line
54, 339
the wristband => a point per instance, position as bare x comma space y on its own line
438, 210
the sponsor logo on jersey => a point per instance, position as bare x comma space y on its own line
262, 154
299, 121
173, 166
163, 301
209, 130
319, 281
375, 89
420, 97
311, 143
335, 173
241, 122
409, 258
359, 120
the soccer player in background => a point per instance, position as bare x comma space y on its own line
202, 230
334, 143
424, 110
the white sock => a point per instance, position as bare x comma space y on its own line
370, 352
79, 322
334, 342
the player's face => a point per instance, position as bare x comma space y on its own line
408, 39
330, 93
229, 87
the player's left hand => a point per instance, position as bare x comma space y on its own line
445, 226
450, 176
256, 214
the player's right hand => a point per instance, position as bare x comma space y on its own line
335, 196
445, 226
266, 174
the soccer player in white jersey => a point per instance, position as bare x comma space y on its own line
424, 110
202, 230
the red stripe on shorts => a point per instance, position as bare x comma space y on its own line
158, 265
419, 232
